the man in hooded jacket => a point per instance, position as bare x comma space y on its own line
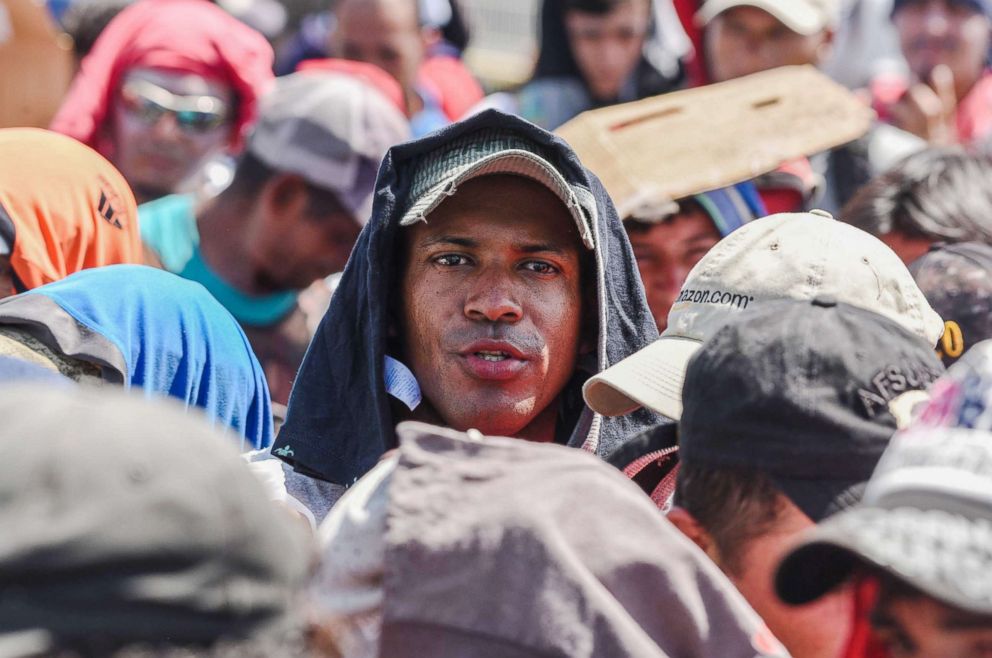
493, 279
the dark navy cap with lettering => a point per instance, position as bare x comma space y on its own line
807, 392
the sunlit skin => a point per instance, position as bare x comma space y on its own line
666, 252
815, 630
155, 158
921, 627
491, 320
907, 247
386, 33
6, 278
935, 32
275, 242
745, 40
607, 47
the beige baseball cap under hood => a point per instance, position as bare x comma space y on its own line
804, 17
787, 256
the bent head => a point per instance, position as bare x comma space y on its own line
492, 306
745, 525
166, 124
294, 231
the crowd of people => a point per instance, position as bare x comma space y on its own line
311, 344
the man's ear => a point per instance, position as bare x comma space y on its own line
826, 46
692, 529
284, 196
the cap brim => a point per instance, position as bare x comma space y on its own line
801, 20
650, 378
819, 499
926, 549
514, 162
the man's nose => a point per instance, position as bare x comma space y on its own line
167, 127
493, 299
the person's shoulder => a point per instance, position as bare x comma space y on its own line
168, 230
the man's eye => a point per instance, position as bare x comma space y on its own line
540, 267
451, 260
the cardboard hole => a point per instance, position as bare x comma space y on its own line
661, 114
768, 102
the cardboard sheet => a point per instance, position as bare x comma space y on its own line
650, 152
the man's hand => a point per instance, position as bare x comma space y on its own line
930, 110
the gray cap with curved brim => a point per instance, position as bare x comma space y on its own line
926, 519
440, 173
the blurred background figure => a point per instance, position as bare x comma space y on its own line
144, 329
400, 38
132, 529
949, 96
167, 85
63, 208
938, 195
35, 64
301, 192
742, 37
957, 281
595, 53
668, 245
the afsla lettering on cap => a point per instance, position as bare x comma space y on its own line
888, 384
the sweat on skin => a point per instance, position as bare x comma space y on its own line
496, 305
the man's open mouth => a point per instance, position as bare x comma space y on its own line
494, 360
492, 356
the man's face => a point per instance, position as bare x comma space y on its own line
667, 251
921, 627
947, 32
607, 47
492, 306
299, 240
165, 125
746, 40
816, 630
385, 33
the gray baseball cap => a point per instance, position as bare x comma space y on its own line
132, 521
491, 152
331, 128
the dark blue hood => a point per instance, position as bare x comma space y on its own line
339, 421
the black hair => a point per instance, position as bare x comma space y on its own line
942, 194
598, 7
733, 505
